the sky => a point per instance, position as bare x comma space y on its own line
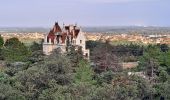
43, 13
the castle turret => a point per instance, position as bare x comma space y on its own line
63, 38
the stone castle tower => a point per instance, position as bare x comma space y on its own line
70, 35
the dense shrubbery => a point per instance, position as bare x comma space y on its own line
70, 77
14, 50
1, 42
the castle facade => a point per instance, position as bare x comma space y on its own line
63, 38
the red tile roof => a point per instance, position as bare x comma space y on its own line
56, 28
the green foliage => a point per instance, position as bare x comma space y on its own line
156, 63
55, 92
153, 51
7, 92
163, 76
3, 77
104, 77
70, 77
164, 47
149, 61
92, 44
164, 60
35, 46
41, 77
36, 56
1, 41
14, 50
123, 87
13, 68
75, 56
84, 73
12, 42
162, 90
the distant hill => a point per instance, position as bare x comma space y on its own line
128, 30
109, 30
23, 30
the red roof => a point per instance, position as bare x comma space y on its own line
77, 32
56, 28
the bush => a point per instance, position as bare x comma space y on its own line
14, 50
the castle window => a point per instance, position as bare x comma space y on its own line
86, 55
80, 41
74, 41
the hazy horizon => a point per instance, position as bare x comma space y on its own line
89, 13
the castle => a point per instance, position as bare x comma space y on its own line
63, 38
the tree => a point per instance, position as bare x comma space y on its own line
162, 90
14, 50
105, 59
41, 76
92, 44
1, 41
104, 77
164, 47
123, 87
36, 56
13, 43
74, 55
1, 45
36, 47
164, 61
149, 61
7, 92
84, 73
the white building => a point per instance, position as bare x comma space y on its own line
63, 38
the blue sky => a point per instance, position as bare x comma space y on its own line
43, 13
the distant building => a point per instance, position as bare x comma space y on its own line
64, 38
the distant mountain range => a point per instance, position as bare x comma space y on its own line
109, 30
